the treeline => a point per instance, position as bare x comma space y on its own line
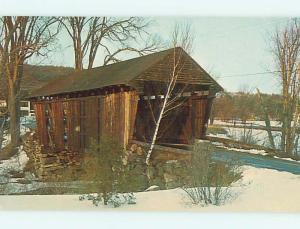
245, 106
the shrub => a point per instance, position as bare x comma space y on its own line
210, 182
104, 169
244, 135
115, 200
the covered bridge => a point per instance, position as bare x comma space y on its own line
121, 100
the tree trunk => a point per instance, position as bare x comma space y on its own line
14, 114
269, 130
267, 120
158, 124
78, 55
212, 115
78, 61
2, 126
155, 133
289, 137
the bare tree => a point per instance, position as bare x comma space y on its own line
181, 37
3, 119
3, 109
21, 38
113, 35
266, 116
286, 51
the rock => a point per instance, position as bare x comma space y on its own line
158, 181
16, 174
152, 188
133, 147
172, 181
50, 165
150, 172
139, 151
169, 177
23, 181
160, 170
125, 160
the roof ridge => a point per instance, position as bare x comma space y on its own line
124, 72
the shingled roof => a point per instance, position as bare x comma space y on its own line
121, 73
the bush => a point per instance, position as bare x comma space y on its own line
115, 200
244, 135
104, 169
210, 182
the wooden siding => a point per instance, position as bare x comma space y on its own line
120, 114
73, 125
57, 131
201, 112
76, 122
42, 131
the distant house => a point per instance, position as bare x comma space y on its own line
34, 78
26, 108
114, 100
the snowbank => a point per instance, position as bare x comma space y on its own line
259, 190
15, 163
248, 123
287, 159
252, 151
24, 121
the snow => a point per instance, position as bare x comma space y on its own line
219, 135
248, 123
252, 151
23, 129
257, 136
259, 190
287, 159
152, 188
15, 163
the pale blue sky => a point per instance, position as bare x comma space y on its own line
232, 46
227, 47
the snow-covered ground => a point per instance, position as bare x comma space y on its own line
13, 164
259, 190
252, 151
24, 123
259, 137
254, 123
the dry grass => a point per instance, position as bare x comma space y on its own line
212, 129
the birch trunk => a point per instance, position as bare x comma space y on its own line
158, 122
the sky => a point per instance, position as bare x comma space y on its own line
232, 48
236, 51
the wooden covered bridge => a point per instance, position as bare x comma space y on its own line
121, 100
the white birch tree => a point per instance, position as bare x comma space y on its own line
181, 37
